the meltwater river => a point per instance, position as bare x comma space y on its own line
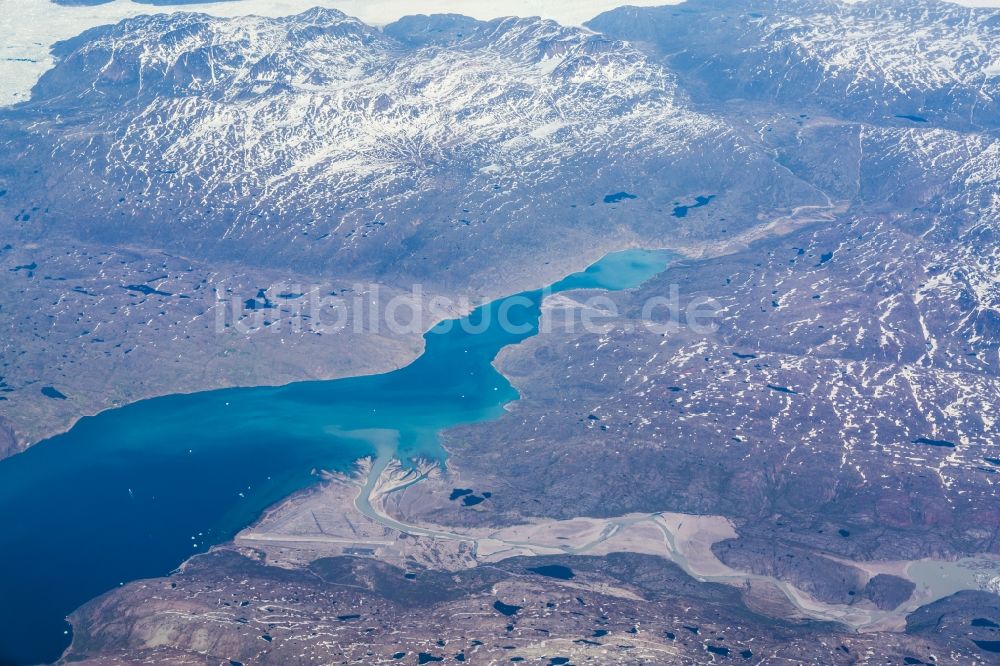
133, 492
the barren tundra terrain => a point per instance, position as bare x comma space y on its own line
808, 479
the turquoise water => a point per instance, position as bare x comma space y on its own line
133, 492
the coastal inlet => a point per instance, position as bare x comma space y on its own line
133, 492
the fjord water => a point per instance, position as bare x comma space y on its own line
134, 491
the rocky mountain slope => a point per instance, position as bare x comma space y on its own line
917, 62
320, 149
829, 171
317, 142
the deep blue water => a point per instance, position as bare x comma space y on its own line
699, 201
133, 492
618, 196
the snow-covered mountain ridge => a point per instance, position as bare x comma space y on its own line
319, 141
925, 61
474, 157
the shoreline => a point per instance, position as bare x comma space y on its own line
688, 539
696, 251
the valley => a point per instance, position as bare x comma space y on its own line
282, 368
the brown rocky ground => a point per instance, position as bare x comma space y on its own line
621, 609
